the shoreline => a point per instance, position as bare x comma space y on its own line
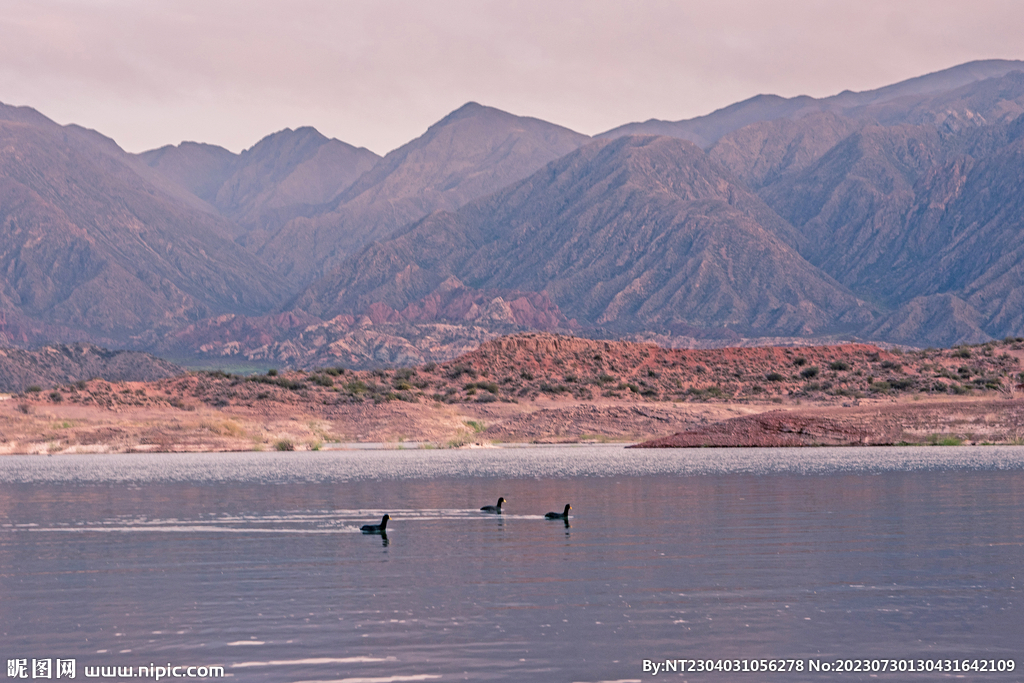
542, 388
73, 429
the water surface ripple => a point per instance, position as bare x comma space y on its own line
255, 561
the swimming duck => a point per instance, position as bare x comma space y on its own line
376, 528
559, 515
496, 509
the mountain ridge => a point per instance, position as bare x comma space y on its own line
708, 129
891, 214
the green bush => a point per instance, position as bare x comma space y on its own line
880, 387
839, 366
808, 373
456, 371
357, 386
322, 380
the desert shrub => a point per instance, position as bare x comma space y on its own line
839, 366
357, 386
526, 374
892, 365
271, 372
404, 373
962, 352
180, 404
56, 396
880, 387
284, 445
321, 380
282, 382
458, 370
799, 361
808, 373
34, 389
774, 377
218, 374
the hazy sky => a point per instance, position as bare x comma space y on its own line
378, 73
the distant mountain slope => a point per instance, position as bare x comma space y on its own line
923, 219
472, 152
89, 242
60, 364
852, 204
706, 130
287, 168
287, 174
626, 235
199, 168
780, 221
763, 152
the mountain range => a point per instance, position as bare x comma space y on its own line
890, 215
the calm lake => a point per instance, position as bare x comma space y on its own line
254, 562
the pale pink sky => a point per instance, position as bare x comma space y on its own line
377, 73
